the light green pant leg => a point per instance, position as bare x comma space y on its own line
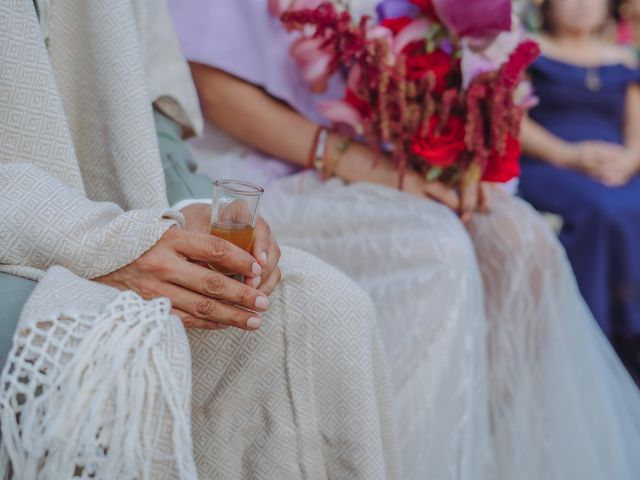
14, 292
178, 164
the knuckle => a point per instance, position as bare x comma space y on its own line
214, 285
172, 234
145, 293
146, 261
152, 261
219, 248
245, 296
206, 308
148, 290
189, 321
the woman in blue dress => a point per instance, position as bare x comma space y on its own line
581, 160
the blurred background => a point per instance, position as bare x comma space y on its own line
581, 151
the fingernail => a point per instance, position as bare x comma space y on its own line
256, 282
262, 303
263, 257
254, 323
256, 269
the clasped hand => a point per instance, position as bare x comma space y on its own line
611, 164
176, 268
465, 200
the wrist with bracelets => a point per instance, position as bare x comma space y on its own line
317, 153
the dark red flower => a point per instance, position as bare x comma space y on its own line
441, 147
428, 8
358, 103
396, 24
438, 62
503, 168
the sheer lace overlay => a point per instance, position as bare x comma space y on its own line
506, 359
417, 263
562, 405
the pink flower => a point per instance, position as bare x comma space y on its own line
340, 112
315, 63
379, 32
382, 34
417, 30
475, 18
482, 57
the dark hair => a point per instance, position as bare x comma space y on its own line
547, 26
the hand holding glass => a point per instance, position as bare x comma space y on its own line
234, 211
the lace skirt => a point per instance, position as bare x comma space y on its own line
498, 369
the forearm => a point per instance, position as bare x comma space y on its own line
540, 143
252, 116
46, 223
262, 122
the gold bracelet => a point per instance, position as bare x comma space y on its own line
339, 150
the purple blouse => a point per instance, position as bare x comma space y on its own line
243, 39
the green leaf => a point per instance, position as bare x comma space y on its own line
434, 173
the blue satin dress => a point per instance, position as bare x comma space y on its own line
601, 230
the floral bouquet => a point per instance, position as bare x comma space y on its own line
436, 83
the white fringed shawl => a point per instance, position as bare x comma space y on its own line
82, 194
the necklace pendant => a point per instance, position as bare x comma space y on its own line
592, 80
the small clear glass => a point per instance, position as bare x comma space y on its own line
234, 210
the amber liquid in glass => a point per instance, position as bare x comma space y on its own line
240, 235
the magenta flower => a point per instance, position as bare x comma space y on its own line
475, 18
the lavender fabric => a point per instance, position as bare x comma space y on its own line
243, 39
246, 41
396, 8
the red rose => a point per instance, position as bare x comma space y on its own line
428, 8
396, 24
437, 62
441, 148
503, 168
